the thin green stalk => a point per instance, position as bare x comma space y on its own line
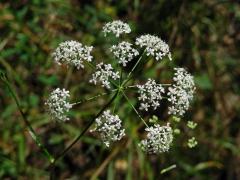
134, 67
119, 83
120, 79
115, 103
68, 76
85, 129
166, 84
93, 97
134, 86
91, 65
133, 108
27, 123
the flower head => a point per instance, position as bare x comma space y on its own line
72, 53
109, 127
103, 73
155, 46
116, 27
124, 52
150, 94
58, 105
181, 92
159, 138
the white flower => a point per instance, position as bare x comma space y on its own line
181, 92
58, 105
72, 53
109, 127
103, 73
150, 94
116, 27
184, 79
159, 138
155, 46
124, 52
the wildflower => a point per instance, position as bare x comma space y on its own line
181, 93
150, 94
103, 73
109, 127
124, 52
72, 53
58, 105
184, 79
116, 27
155, 46
159, 138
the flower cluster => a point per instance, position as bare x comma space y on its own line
191, 124
103, 73
192, 142
116, 27
72, 53
159, 138
181, 93
150, 94
124, 52
155, 46
58, 105
109, 127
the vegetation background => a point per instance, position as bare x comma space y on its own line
204, 37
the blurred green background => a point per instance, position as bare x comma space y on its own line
204, 37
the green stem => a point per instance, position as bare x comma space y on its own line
93, 97
27, 123
68, 76
119, 83
134, 108
91, 65
134, 86
120, 79
134, 67
115, 103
